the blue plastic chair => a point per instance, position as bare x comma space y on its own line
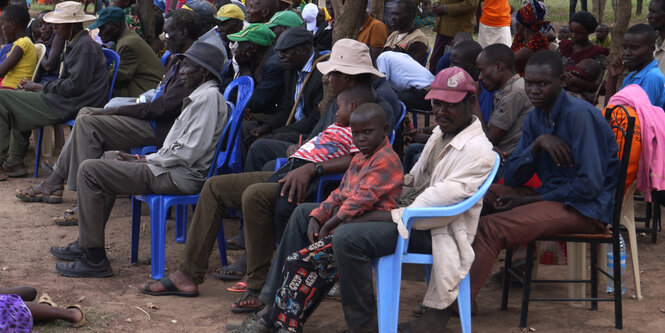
389, 268
112, 58
223, 162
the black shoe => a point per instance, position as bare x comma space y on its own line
69, 252
83, 268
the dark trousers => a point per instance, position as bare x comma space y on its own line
354, 247
414, 98
520, 225
573, 5
263, 151
101, 181
438, 51
246, 192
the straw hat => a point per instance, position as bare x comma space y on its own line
349, 57
68, 12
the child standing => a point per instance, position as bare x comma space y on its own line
372, 182
21, 61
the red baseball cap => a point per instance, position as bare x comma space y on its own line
451, 85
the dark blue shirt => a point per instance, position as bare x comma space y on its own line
590, 184
486, 101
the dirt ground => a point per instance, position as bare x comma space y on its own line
114, 305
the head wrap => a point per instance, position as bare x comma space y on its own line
532, 16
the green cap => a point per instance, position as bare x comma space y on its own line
108, 15
285, 18
257, 33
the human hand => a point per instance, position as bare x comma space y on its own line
296, 183
28, 85
120, 156
260, 131
558, 149
501, 153
313, 229
438, 9
508, 202
94, 112
616, 67
291, 150
329, 227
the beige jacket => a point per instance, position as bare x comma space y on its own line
463, 166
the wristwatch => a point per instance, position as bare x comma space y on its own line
319, 169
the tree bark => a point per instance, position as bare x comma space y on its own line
348, 21
376, 9
622, 9
147, 17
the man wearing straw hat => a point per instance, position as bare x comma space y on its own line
83, 82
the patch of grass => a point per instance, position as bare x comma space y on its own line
95, 321
557, 10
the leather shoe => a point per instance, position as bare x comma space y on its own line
14, 170
82, 267
69, 252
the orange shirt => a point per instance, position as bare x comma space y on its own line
635, 150
373, 33
496, 13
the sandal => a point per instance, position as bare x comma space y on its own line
249, 297
46, 300
80, 322
69, 218
169, 289
239, 287
42, 192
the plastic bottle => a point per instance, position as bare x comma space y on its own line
610, 266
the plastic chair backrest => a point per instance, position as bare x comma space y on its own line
324, 52
165, 58
41, 51
410, 215
214, 167
230, 160
112, 58
400, 119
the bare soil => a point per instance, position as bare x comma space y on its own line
114, 305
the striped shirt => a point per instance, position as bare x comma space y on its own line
302, 74
333, 142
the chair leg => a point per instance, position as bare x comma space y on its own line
618, 321
656, 222
136, 227
388, 276
593, 257
38, 151
507, 266
157, 239
221, 244
464, 304
526, 291
180, 223
628, 220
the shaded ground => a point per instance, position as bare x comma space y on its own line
26, 233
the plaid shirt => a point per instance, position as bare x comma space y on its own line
372, 182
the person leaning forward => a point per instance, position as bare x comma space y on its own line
83, 82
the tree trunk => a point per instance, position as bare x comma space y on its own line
376, 9
622, 9
348, 21
147, 16
639, 5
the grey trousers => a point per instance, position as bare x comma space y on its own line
100, 181
93, 135
20, 112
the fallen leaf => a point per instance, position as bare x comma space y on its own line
174, 321
661, 309
152, 306
80, 299
5, 268
129, 320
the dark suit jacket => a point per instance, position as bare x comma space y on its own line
312, 95
269, 89
323, 37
